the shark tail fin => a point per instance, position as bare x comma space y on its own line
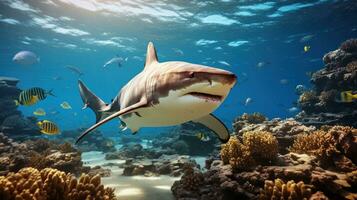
92, 101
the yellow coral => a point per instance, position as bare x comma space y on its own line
308, 143
51, 184
257, 147
262, 145
279, 190
236, 154
324, 143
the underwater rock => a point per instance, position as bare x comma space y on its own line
94, 142
17, 126
323, 105
12, 123
134, 151
98, 170
39, 154
52, 184
183, 140
172, 165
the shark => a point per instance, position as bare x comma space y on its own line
165, 94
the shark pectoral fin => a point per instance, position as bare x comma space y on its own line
213, 123
126, 110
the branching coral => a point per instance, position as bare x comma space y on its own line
51, 184
257, 147
328, 143
279, 190
236, 154
308, 143
349, 45
262, 145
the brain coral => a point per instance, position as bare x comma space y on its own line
51, 184
279, 190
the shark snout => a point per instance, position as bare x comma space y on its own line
218, 76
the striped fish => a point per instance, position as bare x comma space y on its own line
48, 127
26, 98
40, 93
31, 96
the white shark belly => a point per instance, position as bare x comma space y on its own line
170, 111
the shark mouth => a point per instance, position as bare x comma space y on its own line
206, 97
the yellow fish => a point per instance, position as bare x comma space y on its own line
348, 96
307, 48
65, 105
26, 98
48, 127
202, 137
39, 112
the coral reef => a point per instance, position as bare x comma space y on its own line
334, 147
324, 165
52, 184
284, 130
236, 154
277, 189
323, 104
258, 147
40, 154
262, 145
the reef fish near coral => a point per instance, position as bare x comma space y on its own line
48, 127
147, 99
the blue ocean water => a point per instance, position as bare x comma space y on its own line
228, 34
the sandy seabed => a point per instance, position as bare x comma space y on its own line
131, 187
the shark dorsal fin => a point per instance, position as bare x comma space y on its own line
151, 56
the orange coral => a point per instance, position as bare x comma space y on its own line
257, 147
279, 190
51, 184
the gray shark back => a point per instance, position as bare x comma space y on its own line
92, 101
